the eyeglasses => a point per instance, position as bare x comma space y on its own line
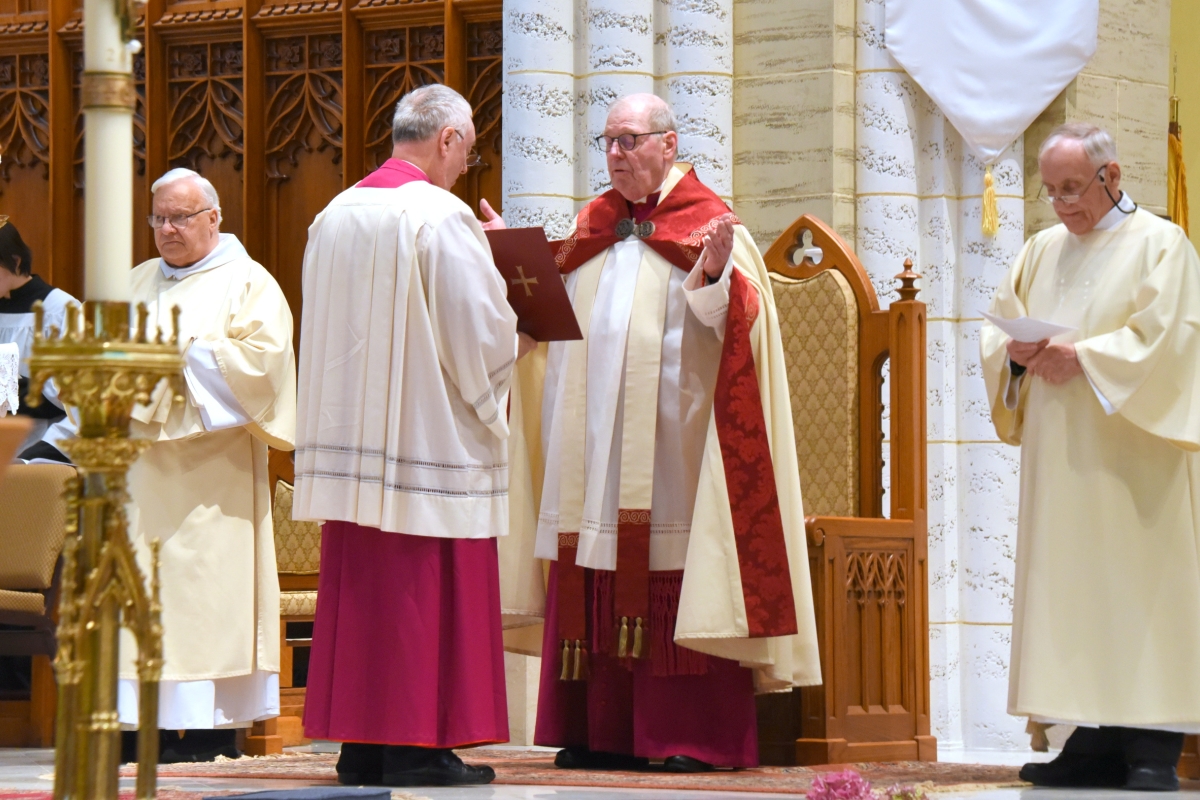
178, 221
1068, 199
473, 157
627, 141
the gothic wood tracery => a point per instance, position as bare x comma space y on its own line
304, 105
398, 60
24, 111
207, 103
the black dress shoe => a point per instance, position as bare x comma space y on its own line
1151, 777
427, 766
686, 764
1078, 771
583, 758
360, 764
196, 746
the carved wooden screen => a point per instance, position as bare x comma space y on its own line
281, 106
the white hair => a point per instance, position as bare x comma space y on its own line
659, 115
1097, 142
428, 109
185, 174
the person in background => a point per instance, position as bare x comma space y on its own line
19, 290
1107, 592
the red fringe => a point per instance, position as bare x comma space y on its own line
666, 657
604, 620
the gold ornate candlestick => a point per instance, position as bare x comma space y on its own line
103, 371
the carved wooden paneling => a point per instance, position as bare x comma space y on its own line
485, 51
24, 111
397, 61
205, 127
304, 99
205, 93
281, 105
25, 147
876, 594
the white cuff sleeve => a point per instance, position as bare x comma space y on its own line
710, 303
209, 392
1012, 388
1108, 407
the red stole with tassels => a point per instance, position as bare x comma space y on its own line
675, 229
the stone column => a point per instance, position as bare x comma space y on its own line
919, 196
793, 136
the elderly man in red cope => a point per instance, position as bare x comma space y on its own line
671, 504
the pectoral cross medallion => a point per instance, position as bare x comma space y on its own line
524, 281
642, 230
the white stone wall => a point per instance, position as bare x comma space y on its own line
919, 196
566, 62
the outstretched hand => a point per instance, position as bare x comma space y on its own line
494, 222
718, 246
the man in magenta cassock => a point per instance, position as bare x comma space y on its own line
407, 351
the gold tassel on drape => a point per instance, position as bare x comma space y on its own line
1177, 200
991, 214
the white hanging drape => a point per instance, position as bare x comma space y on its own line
992, 65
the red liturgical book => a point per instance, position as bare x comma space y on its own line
535, 288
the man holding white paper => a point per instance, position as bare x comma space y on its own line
202, 488
1107, 415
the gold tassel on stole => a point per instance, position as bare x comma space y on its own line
991, 214
580, 673
637, 639
566, 661
623, 638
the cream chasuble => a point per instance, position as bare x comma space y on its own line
1107, 601
628, 423
404, 408
202, 489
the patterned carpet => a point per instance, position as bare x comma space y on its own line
536, 768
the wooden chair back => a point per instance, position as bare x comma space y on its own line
33, 515
869, 573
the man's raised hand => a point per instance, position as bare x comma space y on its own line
494, 221
718, 246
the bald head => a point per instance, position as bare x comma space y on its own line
649, 108
640, 170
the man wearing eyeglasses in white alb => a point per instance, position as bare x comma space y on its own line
201, 488
1107, 596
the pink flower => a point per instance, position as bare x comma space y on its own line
898, 792
848, 785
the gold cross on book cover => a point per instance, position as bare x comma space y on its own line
535, 289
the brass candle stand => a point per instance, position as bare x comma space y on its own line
102, 371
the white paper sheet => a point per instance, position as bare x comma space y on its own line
1027, 329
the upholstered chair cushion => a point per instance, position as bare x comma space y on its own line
818, 319
33, 603
297, 604
297, 544
33, 516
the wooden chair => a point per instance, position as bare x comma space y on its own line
298, 553
33, 514
869, 574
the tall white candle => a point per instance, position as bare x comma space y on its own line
108, 163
